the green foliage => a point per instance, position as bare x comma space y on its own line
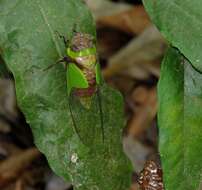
180, 118
180, 92
180, 21
29, 44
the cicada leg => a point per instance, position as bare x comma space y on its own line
65, 40
52, 65
65, 59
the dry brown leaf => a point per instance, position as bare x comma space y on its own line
146, 111
101, 8
146, 48
110, 41
11, 168
9, 149
133, 21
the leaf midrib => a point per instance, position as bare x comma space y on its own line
45, 18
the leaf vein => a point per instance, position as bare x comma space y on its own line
49, 28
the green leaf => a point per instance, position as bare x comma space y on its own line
180, 119
180, 21
29, 45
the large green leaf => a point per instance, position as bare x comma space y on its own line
180, 21
180, 121
29, 44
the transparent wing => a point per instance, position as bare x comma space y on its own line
87, 120
99, 100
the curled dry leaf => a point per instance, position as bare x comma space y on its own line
151, 177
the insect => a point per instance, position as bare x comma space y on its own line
151, 177
83, 80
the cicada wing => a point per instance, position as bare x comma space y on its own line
83, 120
87, 119
99, 100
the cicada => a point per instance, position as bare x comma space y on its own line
83, 85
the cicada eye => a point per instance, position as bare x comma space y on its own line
151, 177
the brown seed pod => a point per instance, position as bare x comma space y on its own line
151, 177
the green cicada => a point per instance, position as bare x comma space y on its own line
83, 83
